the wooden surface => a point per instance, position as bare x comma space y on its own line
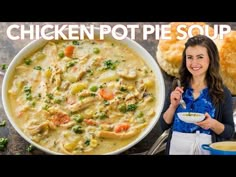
9, 48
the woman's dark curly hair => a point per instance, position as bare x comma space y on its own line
213, 77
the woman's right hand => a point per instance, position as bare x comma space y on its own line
175, 96
174, 103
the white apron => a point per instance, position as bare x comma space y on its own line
189, 143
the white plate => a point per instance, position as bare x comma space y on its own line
191, 117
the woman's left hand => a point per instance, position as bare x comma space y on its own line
207, 123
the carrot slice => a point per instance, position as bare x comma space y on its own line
121, 127
60, 118
90, 122
106, 94
69, 51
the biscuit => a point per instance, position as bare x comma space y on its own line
227, 52
169, 52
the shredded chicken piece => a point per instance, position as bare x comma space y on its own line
51, 51
42, 128
97, 61
85, 93
85, 103
68, 125
65, 85
81, 74
113, 135
127, 73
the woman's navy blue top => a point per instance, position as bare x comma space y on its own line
222, 112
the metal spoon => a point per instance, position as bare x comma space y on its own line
182, 102
158, 146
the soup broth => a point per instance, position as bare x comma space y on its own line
192, 115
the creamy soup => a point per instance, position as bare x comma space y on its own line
196, 115
83, 97
225, 146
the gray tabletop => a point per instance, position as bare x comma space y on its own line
9, 48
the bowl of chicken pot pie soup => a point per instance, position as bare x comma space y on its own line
83, 96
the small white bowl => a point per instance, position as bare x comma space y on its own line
191, 117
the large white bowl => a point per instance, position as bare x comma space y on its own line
37, 44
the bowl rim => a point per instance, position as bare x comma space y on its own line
191, 113
135, 46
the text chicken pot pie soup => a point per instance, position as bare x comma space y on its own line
83, 96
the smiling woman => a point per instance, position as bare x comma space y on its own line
83, 97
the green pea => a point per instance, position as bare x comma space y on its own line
96, 50
93, 88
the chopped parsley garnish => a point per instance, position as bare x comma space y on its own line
3, 143
109, 64
2, 123
30, 148
70, 64
38, 68
27, 61
132, 107
75, 42
4, 67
